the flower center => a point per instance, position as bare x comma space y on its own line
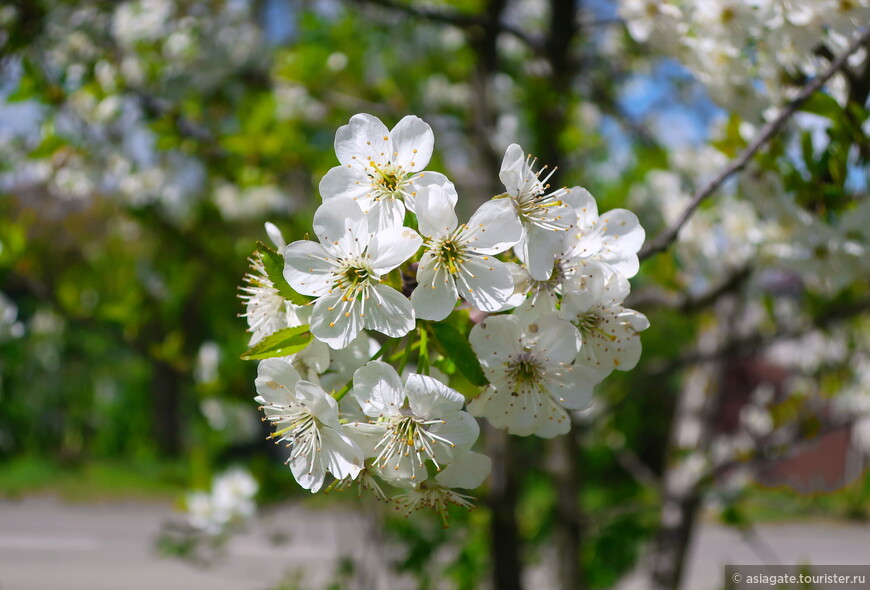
388, 181
301, 429
534, 203
590, 324
353, 277
451, 255
407, 435
525, 372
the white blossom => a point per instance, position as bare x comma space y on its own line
344, 273
543, 215
532, 379
468, 471
306, 417
410, 424
459, 259
383, 170
608, 330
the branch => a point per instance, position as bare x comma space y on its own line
468, 22
664, 240
754, 342
652, 297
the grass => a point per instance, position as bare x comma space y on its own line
93, 481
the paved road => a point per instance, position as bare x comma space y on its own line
48, 545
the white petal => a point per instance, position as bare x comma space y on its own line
543, 245
361, 140
341, 227
275, 235
496, 339
460, 429
572, 388
435, 213
512, 169
309, 475
308, 268
553, 421
385, 214
584, 205
318, 402
413, 142
435, 295
493, 228
389, 312
622, 236
429, 398
346, 183
468, 471
366, 436
492, 404
276, 381
485, 284
554, 339
391, 247
343, 456
378, 389
336, 321
427, 178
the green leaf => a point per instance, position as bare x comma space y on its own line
274, 264
823, 105
281, 343
456, 347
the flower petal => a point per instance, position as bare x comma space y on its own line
486, 283
513, 168
341, 227
346, 183
389, 312
540, 252
335, 320
496, 340
467, 471
318, 402
493, 228
435, 295
460, 429
308, 268
429, 398
343, 456
553, 421
554, 339
413, 142
361, 140
378, 389
391, 247
428, 178
276, 381
435, 213
384, 214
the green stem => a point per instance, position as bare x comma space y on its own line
423, 360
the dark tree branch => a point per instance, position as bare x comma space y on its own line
664, 240
648, 298
745, 345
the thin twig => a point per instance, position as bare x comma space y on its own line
664, 240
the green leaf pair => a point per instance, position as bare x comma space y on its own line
281, 343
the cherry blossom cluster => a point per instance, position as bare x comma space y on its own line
362, 333
750, 54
